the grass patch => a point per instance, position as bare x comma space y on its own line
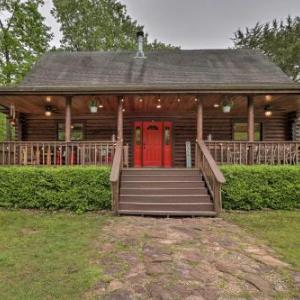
280, 229
48, 255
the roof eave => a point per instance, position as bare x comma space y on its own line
196, 89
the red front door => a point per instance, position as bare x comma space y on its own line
152, 144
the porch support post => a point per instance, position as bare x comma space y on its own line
120, 119
200, 119
68, 118
251, 126
250, 118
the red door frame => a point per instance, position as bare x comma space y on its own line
165, 157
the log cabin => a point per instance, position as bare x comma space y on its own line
162, 119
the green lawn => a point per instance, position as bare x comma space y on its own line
48, 255
279, 229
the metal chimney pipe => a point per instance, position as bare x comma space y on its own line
140, 42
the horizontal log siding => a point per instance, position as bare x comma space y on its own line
184, 129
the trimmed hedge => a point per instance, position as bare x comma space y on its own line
73, 188
258, 187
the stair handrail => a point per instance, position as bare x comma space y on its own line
212, 174
115, 175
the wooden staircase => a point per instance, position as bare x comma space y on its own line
166, 192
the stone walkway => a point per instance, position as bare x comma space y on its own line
193, 259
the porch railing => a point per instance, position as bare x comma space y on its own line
273, 153
211, 173
57, 153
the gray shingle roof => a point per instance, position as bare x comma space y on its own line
178, 69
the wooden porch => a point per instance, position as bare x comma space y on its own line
191, 184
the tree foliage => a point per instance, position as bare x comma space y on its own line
279, 40
93, 25
23, 38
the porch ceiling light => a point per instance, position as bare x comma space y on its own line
158, 106
48, 111
268, 111
268, 97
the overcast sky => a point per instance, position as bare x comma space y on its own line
196, 24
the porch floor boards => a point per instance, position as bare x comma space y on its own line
164, 192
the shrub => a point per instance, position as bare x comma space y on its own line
257, 187
73, 188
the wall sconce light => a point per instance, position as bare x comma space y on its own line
268, 111
48, 111
216, 105
48, 99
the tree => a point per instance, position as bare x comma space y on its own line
93, 25
23, 38
278, 40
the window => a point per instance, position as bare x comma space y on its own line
152, 127
167, 136
138, 135
76, 132
240, 132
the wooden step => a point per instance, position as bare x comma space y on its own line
165, 198
168, 213
191, 207
162, 184
164, 191
161, 177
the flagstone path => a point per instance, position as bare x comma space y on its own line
192, 258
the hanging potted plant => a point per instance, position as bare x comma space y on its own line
227, 104
93, 105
